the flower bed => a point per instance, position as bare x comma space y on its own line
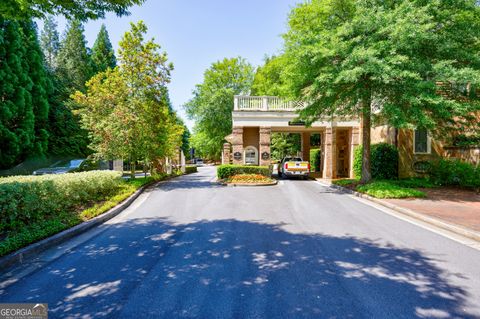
249, 179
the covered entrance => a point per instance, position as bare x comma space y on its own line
256, 119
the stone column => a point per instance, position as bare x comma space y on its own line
306, 146
354, 142
330, 156
264, 145
237, 145
226, 153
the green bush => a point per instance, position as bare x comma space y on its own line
190, 169
387, 189
26, 200
414, 182
455, 173
383, 161
225, 171
315, 156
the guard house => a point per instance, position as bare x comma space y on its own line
255, 118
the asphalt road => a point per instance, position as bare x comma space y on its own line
193, 249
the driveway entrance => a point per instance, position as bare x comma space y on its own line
255, 118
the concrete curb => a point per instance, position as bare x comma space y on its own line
249, 185
26, 252
459, 230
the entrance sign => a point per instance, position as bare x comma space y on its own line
237, 156
265, 156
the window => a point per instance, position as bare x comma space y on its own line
421, 142
251, 156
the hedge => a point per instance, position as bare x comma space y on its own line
25, 200
225, 171
383, 161
454, 173
315, 155
190, 169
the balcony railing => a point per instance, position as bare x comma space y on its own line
265, 103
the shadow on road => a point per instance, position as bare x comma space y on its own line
235, 269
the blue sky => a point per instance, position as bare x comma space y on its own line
196, 33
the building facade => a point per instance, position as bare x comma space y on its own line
255, 118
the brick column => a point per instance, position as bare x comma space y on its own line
354, 142
264, 145
237, 145
226, 153
330, 156
306, 146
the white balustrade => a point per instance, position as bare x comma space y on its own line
265, 103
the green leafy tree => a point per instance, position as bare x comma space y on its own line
382, 60
78, 9
127, 109
185, 137
73, 61
50, 42
103, 56
212, 104
268, 78
285, 144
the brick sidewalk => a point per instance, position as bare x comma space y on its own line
461, 207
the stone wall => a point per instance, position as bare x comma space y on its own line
237, 145
264, 141
467, 154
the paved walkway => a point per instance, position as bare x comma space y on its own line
461, 207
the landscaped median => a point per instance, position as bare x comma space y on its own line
36, 207
239, 175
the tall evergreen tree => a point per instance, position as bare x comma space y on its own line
16, 113
39, 87
73, 60
103, 56
50, 42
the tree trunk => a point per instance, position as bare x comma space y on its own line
366, 127
132, 170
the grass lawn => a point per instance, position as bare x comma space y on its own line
403, 188
28, 234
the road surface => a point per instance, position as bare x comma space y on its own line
192, 249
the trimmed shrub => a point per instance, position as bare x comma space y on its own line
190, 169
455, 173
315, 159
26, 200
225, 171
383, 161
357, 161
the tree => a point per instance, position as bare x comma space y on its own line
268, 78
77, 9
185, 137
16, 113
23, 89
50, 42
73, 66
127, 109
382, 60
285, 144
103, 56
212, 104
39, 87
